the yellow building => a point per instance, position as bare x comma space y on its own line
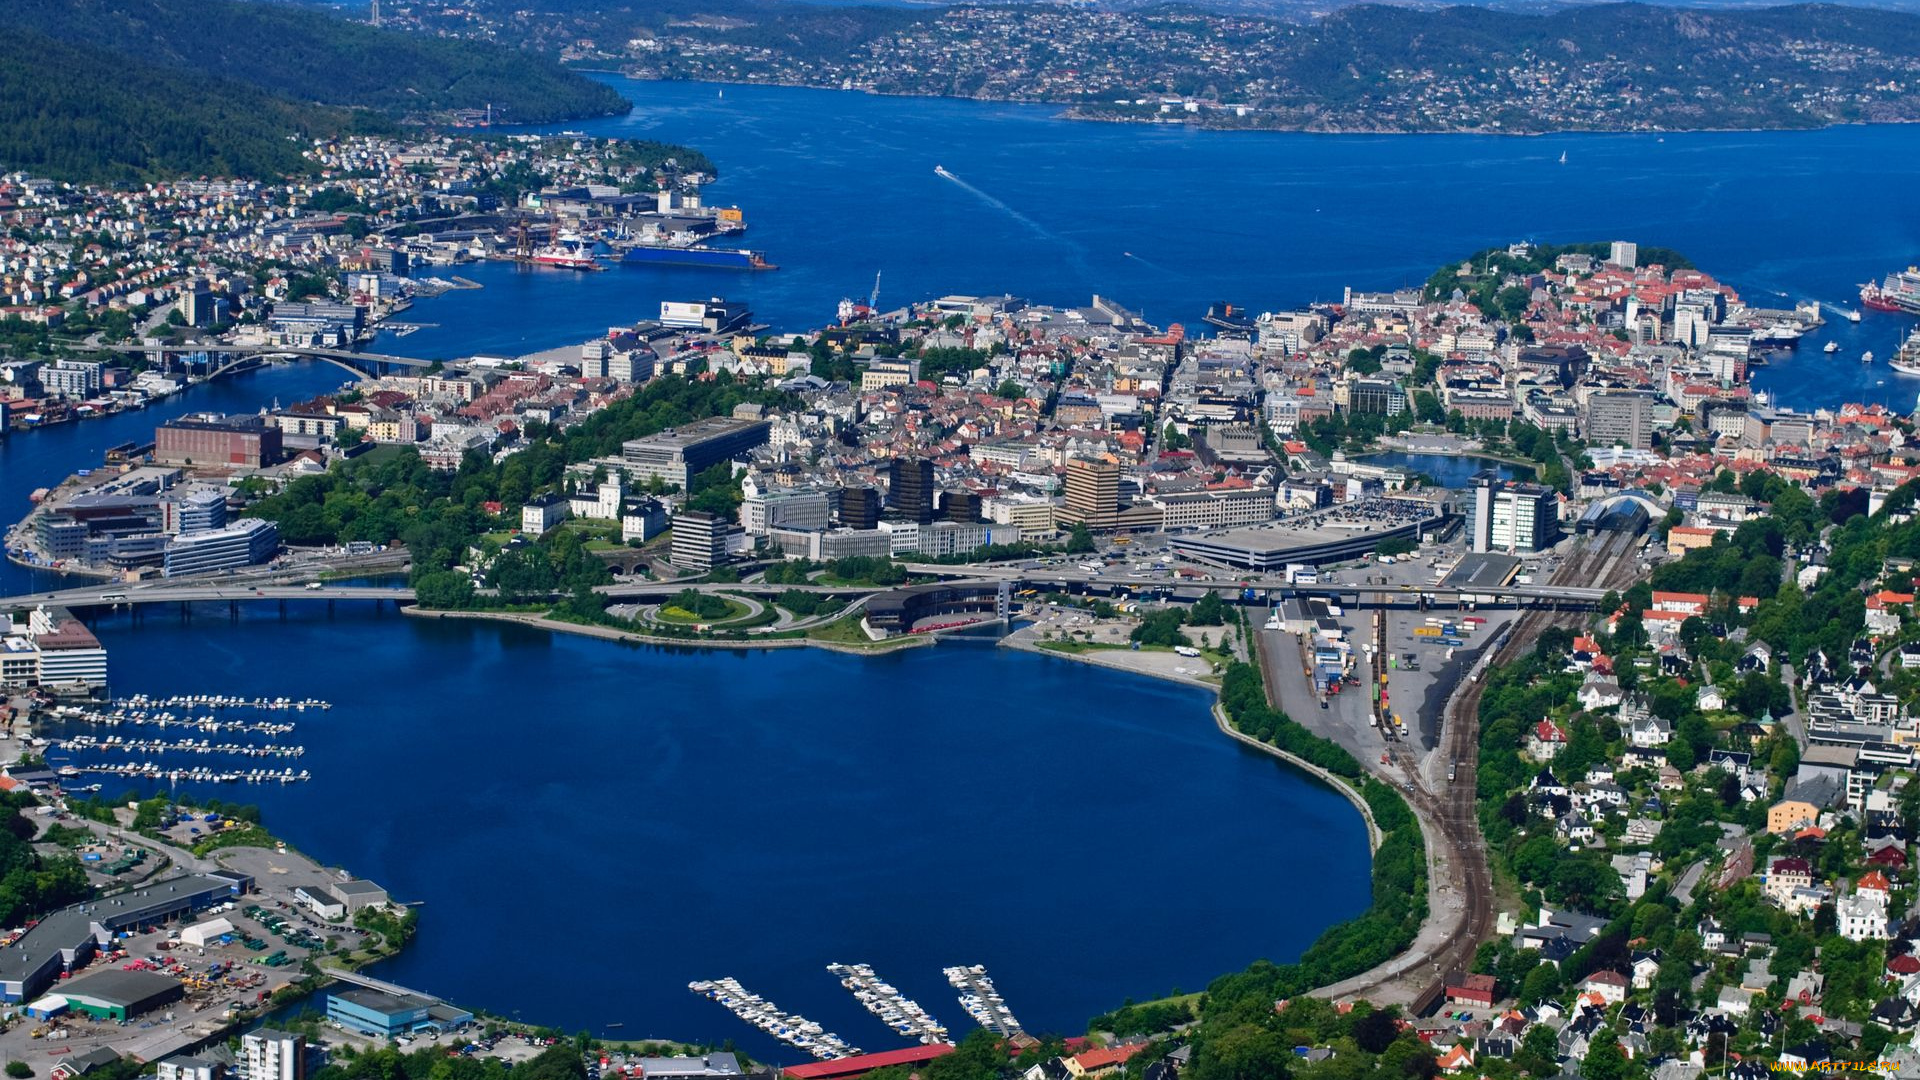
1791, 815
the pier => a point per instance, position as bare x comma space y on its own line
981, 1000
790, 1028
116, 744
896, 1010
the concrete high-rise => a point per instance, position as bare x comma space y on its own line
910, 489
1093, 493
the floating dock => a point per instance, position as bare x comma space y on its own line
790, 1028
981, 1000
896, 1010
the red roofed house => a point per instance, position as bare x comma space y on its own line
1545, 740
1471, 990
1874, 881
1457, 1058
1106, 1059
861, 1064
1786, 875
1904, 964
1610, 985
1685, 603
1890, 856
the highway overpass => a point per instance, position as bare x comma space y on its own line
235, 591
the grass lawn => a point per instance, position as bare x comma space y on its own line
672, 614
846, 631
1076, 647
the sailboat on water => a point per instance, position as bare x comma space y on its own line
1563, 157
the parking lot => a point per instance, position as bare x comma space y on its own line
1422, 672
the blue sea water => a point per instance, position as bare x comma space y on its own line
593, 825
840, 186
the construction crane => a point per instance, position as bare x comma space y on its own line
873, 298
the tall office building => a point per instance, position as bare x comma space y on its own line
910, 489
960, 506
1620, 418
1517, 518
1624, 254
1093, 493
699, 540
860, 508
1485, 483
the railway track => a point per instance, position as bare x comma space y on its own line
1453, 812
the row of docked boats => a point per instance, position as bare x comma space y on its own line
220, 701
207, 725
981, 1000
148, 770
790, 1028
116, 744
899, 1012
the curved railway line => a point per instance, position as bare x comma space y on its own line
1450, 817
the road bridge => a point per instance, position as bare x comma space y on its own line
360, 363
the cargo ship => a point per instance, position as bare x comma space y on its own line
568, 254
717, 258
1899, 292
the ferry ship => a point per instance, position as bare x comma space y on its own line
1900, 292
717, 258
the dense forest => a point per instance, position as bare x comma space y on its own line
74, 112
118, 90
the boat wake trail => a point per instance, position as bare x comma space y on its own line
1016, 215
1148, 263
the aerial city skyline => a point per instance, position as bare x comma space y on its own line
962, 542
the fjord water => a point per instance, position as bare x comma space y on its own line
592, 825
838, 186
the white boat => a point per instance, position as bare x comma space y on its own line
1853, 316
1867, 357
1833, 347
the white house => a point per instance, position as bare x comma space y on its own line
1862, 916
541, 514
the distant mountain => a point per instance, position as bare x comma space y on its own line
136, 89
311, 56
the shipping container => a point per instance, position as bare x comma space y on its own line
1426, 631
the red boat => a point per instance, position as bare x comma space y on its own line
1875, 298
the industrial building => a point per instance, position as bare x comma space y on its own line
1272, 546
118, 994
65, 939
247, 441
376, 1012
677, 455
